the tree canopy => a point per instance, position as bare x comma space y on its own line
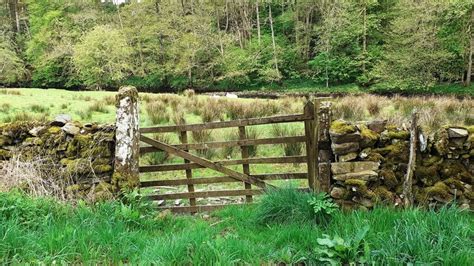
161, 45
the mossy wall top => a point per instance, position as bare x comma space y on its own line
444, 167
85, 153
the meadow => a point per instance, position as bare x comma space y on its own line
189, 107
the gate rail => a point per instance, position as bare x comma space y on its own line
310, 118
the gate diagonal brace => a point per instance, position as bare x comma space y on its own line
205, 163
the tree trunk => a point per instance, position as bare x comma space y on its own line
364, 38
14, 16
469, 64
273, 36
258, 23
471, 48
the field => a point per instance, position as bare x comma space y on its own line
188, 107
46, 232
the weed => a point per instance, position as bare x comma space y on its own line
38, 108
338, 251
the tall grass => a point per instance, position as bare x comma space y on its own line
42, 231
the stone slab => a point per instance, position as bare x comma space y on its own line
368, 175
353, 167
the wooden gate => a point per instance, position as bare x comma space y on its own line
191, 161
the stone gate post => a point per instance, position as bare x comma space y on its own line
127, 140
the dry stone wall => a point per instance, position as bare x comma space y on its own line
82, 153
371, 160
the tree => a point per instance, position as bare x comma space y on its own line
102, 57
12, 68
413, 55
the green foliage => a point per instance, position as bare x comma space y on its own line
157, 46
284, 205
102, 56
322, 204
12, 68
337, 251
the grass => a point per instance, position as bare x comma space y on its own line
42, 231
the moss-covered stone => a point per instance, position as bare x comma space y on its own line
374, 157
432, 160
440, 192
5, 155
123, 182
428, 175
383, 194
369, 137
454, 184
389, 178
359, 187
54, 130
342, 127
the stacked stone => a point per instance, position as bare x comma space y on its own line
83, 153
371, 160
446, 171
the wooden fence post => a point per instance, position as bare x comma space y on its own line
245, 166
127, 136
312, 139
189, 172
408, 182
324, 146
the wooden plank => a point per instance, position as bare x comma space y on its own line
269, 160
317, 179
219, 179
189, 173
199, 208
225, 124
310, 133
231, 143
245, 166
205, 194
408, 182
204, 162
